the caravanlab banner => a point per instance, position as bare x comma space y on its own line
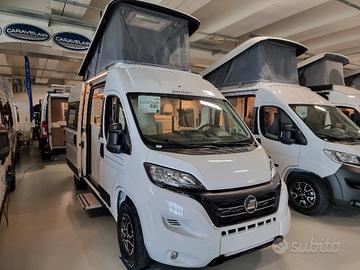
58, 36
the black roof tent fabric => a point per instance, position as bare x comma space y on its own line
327, 70
265, 61
353, 81
139, 32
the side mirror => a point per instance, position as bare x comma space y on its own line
4, 143
114, 138
287, 135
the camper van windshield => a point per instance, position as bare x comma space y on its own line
328, 122
183, 122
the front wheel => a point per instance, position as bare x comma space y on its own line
308, 194
130, 238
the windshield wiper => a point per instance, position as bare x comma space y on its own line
190, 145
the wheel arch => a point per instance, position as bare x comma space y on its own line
300, 171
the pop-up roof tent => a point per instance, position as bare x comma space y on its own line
322, 69
260, 59
139, 32
353, 80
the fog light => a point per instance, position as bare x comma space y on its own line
173, 255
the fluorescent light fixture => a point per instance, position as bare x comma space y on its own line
212, 105
320, 108
220, 160
209, 93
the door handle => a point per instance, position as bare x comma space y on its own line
101, 150
75, 139
276, 165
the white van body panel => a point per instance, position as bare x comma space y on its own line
310, 157
197, 240
73, 137
344, 96
242, 169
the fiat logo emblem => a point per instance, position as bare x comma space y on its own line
250, 204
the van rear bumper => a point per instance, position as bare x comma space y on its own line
345, 185
175, 223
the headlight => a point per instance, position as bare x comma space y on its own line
272, 169
341, 157
163, 176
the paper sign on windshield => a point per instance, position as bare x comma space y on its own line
149, 104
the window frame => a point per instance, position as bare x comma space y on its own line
77, 104
254, 129
106, 111
262, 124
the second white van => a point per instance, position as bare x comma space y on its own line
314, 146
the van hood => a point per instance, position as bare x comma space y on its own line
349, 148
219, 171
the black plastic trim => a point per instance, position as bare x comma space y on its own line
345, 185
104, 195
72, 167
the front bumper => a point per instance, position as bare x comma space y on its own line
345, 185
175, 222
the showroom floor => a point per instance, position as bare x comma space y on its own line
49, 230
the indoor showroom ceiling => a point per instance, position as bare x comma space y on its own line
321, 25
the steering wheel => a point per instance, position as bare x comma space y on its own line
205, 126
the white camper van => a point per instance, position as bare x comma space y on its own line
324, 74
314, 146
9, 120
7, 144
164, 151
54, 106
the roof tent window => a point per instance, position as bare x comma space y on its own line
322, 72
141, 33
266, 61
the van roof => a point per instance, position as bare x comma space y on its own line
300, 49
335, 57
106, 19
152, 79
285, 93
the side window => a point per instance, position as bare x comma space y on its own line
72, 115
97, 102
352, 113
272, 121
113, 113
244, 106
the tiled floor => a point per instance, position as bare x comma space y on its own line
49, 230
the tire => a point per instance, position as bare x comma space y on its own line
79, 183
129, 231
308, 194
